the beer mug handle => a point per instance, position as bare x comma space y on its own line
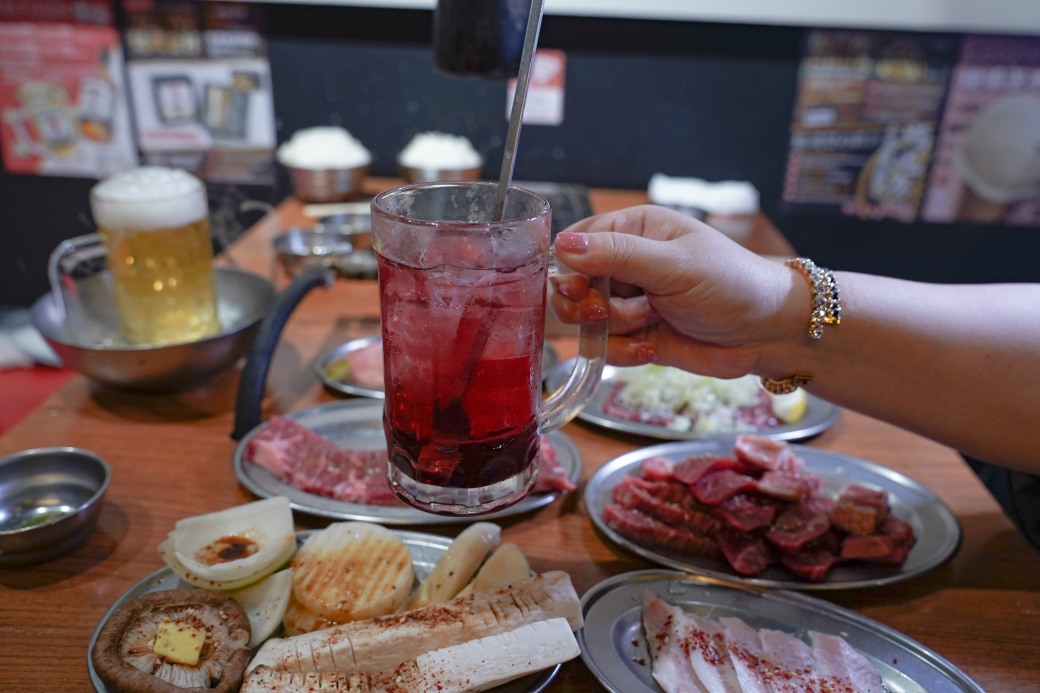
69, 255
564, 404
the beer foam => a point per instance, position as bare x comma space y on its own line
147, 198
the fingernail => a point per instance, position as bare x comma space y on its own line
594, 313
567, 291
572, 242
645, 352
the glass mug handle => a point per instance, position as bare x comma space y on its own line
69, 256
566, 402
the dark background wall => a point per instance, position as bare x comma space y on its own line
682, 98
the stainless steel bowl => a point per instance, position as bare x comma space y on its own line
50, 501
344, 248
327, 184
299, 248
243, 299
434, 174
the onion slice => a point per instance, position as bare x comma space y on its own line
264, 603
233, 547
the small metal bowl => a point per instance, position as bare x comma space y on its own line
298, 248
345, 248
50, 501
433, 174
317, 185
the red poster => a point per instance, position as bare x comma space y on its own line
62, 99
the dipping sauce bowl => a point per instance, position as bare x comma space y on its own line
50, 501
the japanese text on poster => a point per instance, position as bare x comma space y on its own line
868, 108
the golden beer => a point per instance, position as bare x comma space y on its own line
155, 226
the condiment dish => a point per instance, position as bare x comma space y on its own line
50, 502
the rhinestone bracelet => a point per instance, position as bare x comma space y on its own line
826, 301
825, 310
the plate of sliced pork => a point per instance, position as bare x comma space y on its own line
770, 513
652, 631
330, 461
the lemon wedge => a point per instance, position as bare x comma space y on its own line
790, 407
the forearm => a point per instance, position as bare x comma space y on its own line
959, 364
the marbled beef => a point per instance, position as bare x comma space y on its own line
312, 463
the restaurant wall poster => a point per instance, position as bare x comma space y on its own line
986, 167
866, 116
200, 86
917, 127
63, 106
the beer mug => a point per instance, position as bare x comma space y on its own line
462, 299
154, 222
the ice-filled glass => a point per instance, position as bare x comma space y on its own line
462, 297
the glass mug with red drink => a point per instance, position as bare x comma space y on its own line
462, 296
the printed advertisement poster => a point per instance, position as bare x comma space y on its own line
544, 105
865, 121
987, 165
200, 86
62, 97
201, 104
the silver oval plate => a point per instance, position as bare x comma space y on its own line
614, 648
819, 415
349, 386
426, 550
935, 526
358, 424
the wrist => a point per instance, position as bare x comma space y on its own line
809, 310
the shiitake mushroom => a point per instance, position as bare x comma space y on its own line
125, 661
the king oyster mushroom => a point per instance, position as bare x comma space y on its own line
128, 654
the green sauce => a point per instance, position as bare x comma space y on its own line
38, 519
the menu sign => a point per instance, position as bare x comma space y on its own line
866, 116
201, 88
987, 165
62, 97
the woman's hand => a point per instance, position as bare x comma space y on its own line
683, 294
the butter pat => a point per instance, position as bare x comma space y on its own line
179, 642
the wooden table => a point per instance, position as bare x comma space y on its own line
171, 458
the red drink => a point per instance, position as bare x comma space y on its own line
463, 376
462, 297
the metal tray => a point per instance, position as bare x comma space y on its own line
819, 415
358, 424
550, 360
614, 648
426, 550
935, 526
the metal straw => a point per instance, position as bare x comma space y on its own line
523, 79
